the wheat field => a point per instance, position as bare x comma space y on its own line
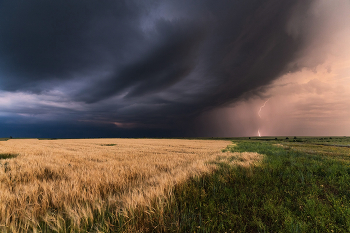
53, 180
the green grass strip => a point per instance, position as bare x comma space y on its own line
290, 191
7, 156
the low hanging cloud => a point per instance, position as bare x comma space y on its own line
150, 64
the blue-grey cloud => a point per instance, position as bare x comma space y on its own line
155, 63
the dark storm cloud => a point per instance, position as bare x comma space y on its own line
41, 40
166, 64
150, 62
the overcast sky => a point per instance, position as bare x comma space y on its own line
153, 68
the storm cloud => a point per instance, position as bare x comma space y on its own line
144, 65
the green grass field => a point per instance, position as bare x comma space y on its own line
303, 185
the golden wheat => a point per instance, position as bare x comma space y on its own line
77, 177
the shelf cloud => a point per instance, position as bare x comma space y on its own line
131, 68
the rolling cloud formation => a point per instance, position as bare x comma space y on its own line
146, 64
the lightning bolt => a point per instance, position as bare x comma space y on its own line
262, 107
260, 112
